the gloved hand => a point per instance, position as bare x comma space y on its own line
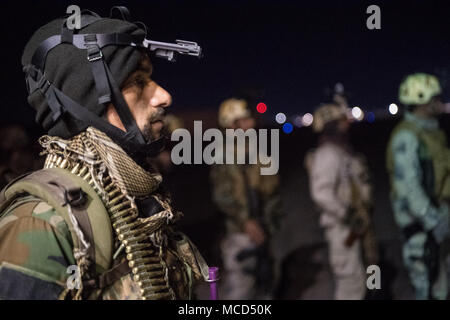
442, 229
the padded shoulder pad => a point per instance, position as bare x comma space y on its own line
59, 188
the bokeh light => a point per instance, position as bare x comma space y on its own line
393, 108
287, 127
298, 121
261, 107
357, 113
307, 119
280, 118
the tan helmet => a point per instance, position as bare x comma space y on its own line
231, 110
419, 88
327, 113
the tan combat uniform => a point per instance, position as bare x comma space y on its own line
234, 188
335, 175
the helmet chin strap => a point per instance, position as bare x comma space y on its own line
132, 140
154, 147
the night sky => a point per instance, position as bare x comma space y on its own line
283, 53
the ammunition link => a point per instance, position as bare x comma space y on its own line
148, 267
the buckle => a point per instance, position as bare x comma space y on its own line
95, 56
74, 197
43, 84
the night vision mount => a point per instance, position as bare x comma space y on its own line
108, 91
167, 50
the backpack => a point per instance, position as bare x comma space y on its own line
71, 197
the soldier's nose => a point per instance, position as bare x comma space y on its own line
161, 98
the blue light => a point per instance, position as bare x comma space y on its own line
287, 127
370, 117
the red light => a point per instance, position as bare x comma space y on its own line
261, 107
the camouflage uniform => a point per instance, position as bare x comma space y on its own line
417, 157
335, 174
242, 193
37, 246
35, 251
340, 187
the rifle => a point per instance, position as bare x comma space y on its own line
263, 269
361, 228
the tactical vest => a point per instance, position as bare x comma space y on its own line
86, 217
80, 207
434, 154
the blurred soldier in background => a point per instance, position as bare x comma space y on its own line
251, 204
16, 156
339, 184
418, 162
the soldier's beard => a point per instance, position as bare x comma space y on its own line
153, 127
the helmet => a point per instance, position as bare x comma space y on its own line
231, 110
418, 88
72, 74
326, 114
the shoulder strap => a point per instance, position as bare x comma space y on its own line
402, 125
67, 192
406, 125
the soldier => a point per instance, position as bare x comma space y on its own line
95, 222
418, 163
251, 204
16, 157
339, 185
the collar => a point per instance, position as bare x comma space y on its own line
423, 123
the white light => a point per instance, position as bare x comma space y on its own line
339, 88
307, 119
447, 107
393, 109
357, 113
298, 121
280, 118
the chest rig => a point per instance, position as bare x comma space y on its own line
434, 157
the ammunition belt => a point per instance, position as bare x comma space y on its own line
142, 238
